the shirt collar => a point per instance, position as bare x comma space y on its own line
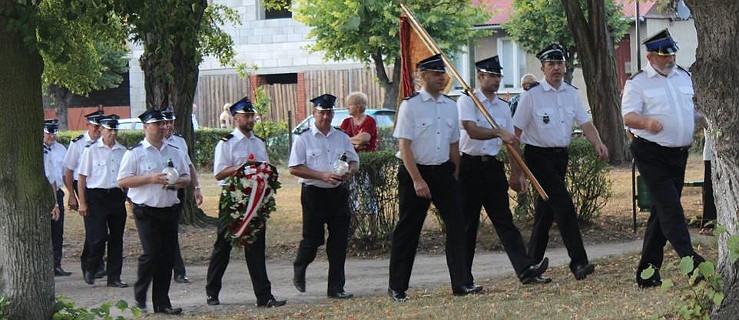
426, 96
314, 130
651, 72
548, 87
100, 144
146, 144
481, 96
240, 135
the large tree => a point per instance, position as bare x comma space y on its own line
589, 30
26, 199
367, 31
717, 26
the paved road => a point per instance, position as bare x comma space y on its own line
364, 278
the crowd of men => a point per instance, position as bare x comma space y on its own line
448, 153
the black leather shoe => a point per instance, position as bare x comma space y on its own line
536, 280
340, 295
467, 289
397, 296
583, 270
168, 310
117, 284
271, 303
213, 301
59, 272
299, 278
141, 305
101, 274
181, 278
649, 283
535, 269
89, 277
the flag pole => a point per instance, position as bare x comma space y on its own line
431, 45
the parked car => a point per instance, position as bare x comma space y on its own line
130, 124
383, 117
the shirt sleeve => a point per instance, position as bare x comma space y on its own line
221, 155
523, 112
71, 158
404, 122
128, 165
262, 154
85, 163
631, 100
297, 153
581, 115
466, 109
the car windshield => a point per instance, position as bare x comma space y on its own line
384, 118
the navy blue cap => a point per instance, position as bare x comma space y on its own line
168, 114
489, 65
152, 116
324, 102
242, 106
51, 126
94, 118
554, 52
110, 121
432, 63
661, 44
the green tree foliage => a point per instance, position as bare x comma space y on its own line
535, 24
368, 31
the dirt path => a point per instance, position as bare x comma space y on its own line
364, 278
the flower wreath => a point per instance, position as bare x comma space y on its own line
247, 201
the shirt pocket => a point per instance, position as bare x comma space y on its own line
655, 100
149, 167
99, 167
422, 126
686, 94
544, 117
313, 158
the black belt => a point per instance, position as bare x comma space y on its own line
659, 146
102, 190
543, 149
434, 166
143, 206
485, 158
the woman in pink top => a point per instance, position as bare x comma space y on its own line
361, 128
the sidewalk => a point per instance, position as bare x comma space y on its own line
364, 278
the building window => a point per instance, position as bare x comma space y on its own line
513, 61
283, 13
461, 62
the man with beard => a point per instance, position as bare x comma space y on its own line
482, 176
230, 154
544, 122
154, 199
180, 273
71, 163
657, 106
102, 202
427, 130
324, 195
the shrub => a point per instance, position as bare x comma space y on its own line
64, 310
373, 200
385, 140
587, 181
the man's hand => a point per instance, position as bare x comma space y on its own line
332, 178
73, 205
507, 137
602, 151
519, 183
158, 178
83, 210
198, 197
653, 125
55, 213
422, 189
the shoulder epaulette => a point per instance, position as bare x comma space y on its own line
178, 135
534, 85
136, 146
46, 148
173, 146
302, 130
570, 84
340, 130
411, 96
683, 69
227, 137
78, 138
91, 142
260, 138
501, 99
636, 74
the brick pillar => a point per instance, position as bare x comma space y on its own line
300, 115
255, 81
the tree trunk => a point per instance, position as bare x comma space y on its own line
62, 98
716, 24
391, 86
596, 52
185, 61
26, 198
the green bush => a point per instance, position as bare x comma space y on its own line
67, 310
373, 200
587, 181
385, 140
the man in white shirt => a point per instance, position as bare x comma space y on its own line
54, 153
657, 107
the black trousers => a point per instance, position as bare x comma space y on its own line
57, 230
663, 170
329, 208
85, 247
484, 184
157, 229
549, 166
179, 264
413, 209
709, 204
255, 262
105, 222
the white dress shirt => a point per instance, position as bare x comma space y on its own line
179, 142
497, 108
546, 115
145, 159
100, 164
430, 124
54, 163
72, 158
318, 152
234, 150
669, 100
